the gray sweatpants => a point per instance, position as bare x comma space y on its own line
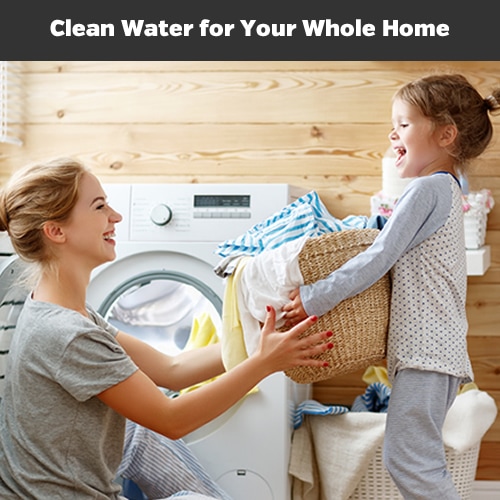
413, 446
165, 468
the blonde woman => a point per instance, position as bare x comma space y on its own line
72, 378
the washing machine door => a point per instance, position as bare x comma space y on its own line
159, 298
12, 297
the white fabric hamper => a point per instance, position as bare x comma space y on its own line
376, 484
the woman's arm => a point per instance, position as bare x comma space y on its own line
174, 372
139, 399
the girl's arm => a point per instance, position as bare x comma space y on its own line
422, 209
139, 399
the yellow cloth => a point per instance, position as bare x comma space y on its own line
203, 332
376, 374
468, 387
233, 342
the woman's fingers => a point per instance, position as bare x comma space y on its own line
270, 321
314, 344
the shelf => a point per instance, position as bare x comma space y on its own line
478, 261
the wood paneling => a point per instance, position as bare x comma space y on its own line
322, 125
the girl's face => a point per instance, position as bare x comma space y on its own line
90, 230
420, 145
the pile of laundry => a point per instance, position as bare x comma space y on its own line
333, 445
261, 268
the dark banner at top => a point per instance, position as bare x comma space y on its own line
270, 30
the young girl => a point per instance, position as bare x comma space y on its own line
440, 122
73, 379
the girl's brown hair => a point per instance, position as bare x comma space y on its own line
451, 99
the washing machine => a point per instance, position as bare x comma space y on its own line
160, 283
163, 279
11, 299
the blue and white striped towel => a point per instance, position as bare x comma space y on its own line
306, 216
312, 407
375, 399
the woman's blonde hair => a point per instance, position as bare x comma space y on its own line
33, 196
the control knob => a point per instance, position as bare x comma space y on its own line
161, 214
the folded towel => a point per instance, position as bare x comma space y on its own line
470, 416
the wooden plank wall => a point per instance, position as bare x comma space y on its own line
321, 125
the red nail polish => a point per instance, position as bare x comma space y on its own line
329, 334
330, 345
268, 308
314, 318
325, 364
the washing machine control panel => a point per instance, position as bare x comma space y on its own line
195, 212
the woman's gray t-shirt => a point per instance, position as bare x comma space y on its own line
57, 439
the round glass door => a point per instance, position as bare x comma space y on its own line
161, 308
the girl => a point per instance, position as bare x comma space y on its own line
73, 379
440, 122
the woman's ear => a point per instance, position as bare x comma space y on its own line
53, 232
447, 135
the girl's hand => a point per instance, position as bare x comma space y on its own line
286, 350
294, 310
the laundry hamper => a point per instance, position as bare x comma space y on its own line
377, 484
359, 324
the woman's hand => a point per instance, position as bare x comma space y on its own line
294, 310
286, 350
138, 398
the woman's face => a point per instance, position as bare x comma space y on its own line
418, 143
90, 229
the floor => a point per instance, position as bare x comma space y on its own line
486, 490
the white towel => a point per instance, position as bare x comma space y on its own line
303, 467
341, 448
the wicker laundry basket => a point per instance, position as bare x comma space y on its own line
359, 324
377, 484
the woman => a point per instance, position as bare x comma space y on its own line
73, 379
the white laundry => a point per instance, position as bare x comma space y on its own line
267, 279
